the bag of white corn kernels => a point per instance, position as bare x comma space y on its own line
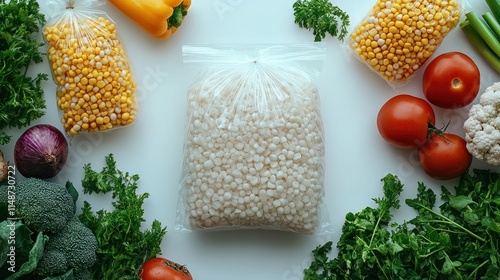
396, 38
254, 148
89, 64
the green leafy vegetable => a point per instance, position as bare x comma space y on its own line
46, 239
44, 206
34, 256
122, 244
73, 248
27, 252
322, 17
21, 96
460, 240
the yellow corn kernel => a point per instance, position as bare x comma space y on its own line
93, 71
407, 31
125, 116
99, 120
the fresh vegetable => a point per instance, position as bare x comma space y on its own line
406, 121
403, 121
74, 247
483, 33
362, 233
43, 206
96, 90
492, 23
494, 6
444, 156
21, 97
451, 80
41, 151
161, 269
123, 244
26, 246
396, 39
482, 128
480, 45
321, 17
458, 240
160, 18
50, 242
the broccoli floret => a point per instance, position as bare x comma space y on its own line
82, 274
74, 247
42, 205
52, 263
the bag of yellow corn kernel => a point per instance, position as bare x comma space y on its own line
397, 37
89, 64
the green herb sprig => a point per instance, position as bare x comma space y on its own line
460, 240
122, 244
21, 96
321, 17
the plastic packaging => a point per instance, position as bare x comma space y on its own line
397, 37
89, 64
254, 148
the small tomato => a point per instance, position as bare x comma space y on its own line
444, 156
451, 80
163, 269
403, 121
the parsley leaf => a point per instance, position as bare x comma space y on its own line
322, 17
21, 96
364, 237
122, 244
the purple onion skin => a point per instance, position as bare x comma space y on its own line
41, 151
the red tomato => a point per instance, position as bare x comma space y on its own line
403, 121
163, 269
444, 156
451, 80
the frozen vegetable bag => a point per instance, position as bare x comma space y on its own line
254, 148
89, 64
396, 38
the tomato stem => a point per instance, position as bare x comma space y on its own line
432, 129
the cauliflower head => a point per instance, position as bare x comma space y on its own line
482, 127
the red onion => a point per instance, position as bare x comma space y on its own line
41, 152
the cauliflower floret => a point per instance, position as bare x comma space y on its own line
482, 128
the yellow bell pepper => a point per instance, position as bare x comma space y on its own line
160, 18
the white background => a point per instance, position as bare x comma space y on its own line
356, 157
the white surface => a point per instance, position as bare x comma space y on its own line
356, 157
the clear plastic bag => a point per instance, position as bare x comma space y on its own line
89, 64
396, 38
254, 148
